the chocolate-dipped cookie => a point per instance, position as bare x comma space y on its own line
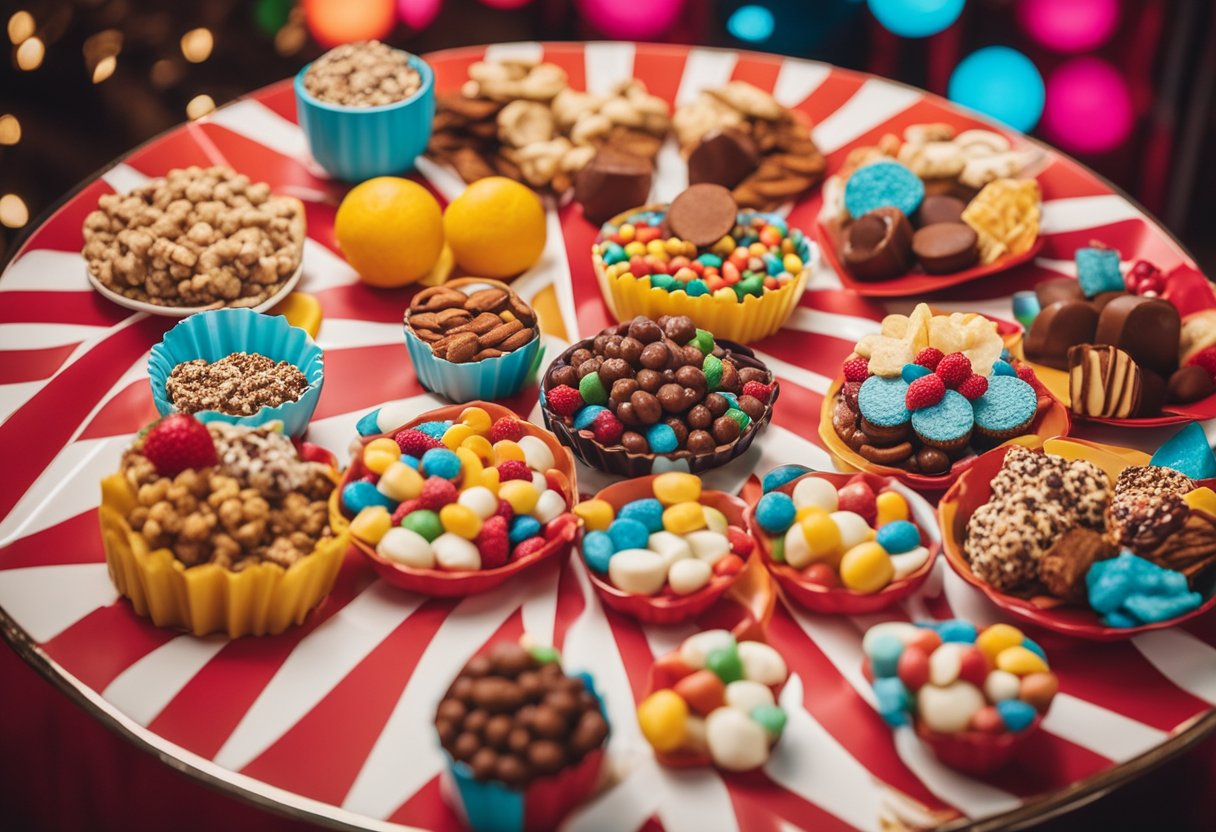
702, 214
939, 208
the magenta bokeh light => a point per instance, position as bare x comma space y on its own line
1069, 25
631, 19
1089, 107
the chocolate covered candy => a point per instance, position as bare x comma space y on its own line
878, 246
945, 247
1104, 381
1189, 384
702, 214
614, 181
1058, 328
723, 157
1147, 329
1057, 289
939, 208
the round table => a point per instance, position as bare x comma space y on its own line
332, 720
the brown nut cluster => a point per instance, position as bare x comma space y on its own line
485, 323
198, 237
514, 719
362, 74
237, 513
239, 384
518, 118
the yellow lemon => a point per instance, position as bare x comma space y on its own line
496, 228
390, 230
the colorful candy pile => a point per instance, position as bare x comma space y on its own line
721, 703
949, 679
849, 537
1129, 591
668, 544
457, 496
760, 254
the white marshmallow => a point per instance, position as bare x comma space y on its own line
549, 505
637, 571
536, 453
688, 575
708, 546
456, 554
407, 547
812, 491
480, 499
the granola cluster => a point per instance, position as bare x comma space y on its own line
239, 384
362, 74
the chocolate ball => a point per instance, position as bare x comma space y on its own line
692, 377
631, 349
599, 342
591, 365
627, 415
478, 666
679, 428
484, 763
563, 702
462, 689
646, 407
655, 356
623, 388
717, 404
547, 722
519, 739
680, 329
751, 406
497, 730
932, 460
726, 430
699, 417
512, 770
510, 658
497, 695
546, 756
476, 720
747, 374
451, 709
730, 378
466, 746
612, 347
565, 374
580, 355
634, 442
645, 330
700, 441
589, 734
530, 683
447, 730
669, 376
650, 380
672, 398
613, 370
693, 356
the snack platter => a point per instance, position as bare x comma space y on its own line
355, 682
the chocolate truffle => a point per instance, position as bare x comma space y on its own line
702, 214
1190, 384
1147, 329
612, 182
1057, 328
723, 157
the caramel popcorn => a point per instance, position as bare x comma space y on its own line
239, 384
362, 74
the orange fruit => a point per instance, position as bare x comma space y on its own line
496, 228
390, 230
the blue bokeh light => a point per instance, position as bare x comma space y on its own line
751, 23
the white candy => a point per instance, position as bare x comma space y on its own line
407, 548
696, 648
1001, 685
686, 576
736, 741
536, 453
902, 630
550, 504
539, 482
395, 414
797, 552
945, 663
670, 546
388, 485
762, 663
715, 520
813, 491
638, 571
480, 499
745, 695
906, 563
708, 546
853, 528
455, 554
948, 709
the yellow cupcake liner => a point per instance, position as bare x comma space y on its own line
264, 599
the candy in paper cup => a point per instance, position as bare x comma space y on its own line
218, 333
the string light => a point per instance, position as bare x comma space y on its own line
20, 27
13, 212
30, 54
197, 44
104, 69
199, 106
10, 129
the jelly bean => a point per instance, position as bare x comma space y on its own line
586, 415
424, 522
490, 479
973, 666
736, 741
741, 542
696, 288
476, 418
857, 496
637, 571
912, 668
480, 446
771, 718
945, 663
536, 453
683, 518
592, 390
1001, 685
715, 520
948, 709
996, 638
901, 629
688, 575
905, 563
400, 482
595, 514
1016, 714
371, 524
696, 648
812, 491
380, 453
741, 418
1019, 661
854, 530
1033, 647
662, 717
704, 341
729, 565
822, 539
627, 533
987, 720
550, 505
1038, 689
540, 482
702, 690
435, 430
480, 500
792, 263
956, 629
412, 461
761, 663
794, 549
775, 512
625, 232
746, 695
454, 553
523, 526
598, 550
661, 438
407, 548
781, 475
470, 467
725, 662
892, 698
898, 536
360, 494
676, 487
810, 511
367, 424
884, 653
440, 462
891, 507
911, 372
671, 547
460, 520
925, 638
777, 547
522, 496
822, 575
454, 436
708, 546
505, 449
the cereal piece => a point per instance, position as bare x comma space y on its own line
362, 74
239, 384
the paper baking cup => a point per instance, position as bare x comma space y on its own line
974, 752
221, 332
264, 599
491, 378
744, 321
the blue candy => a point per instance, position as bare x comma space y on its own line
884, 652
1118, 619
598, 549
522, 527
898, 536
648, 512
440, 462
1098, 271
1187, 452
360, 494
1016, 714
956, 629
586, 415
1033, 647
628, 534
1003, 368
614, 253
695, 288
1025, 308
731, 399
880, 185
892, 699
661, 438
780, 475
1128, 591
708, 259
911, 372
412, 461
368, 426
1006, 355
776, 512
435, 430
773, 264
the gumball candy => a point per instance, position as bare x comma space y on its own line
682, 518
440, 462
812, 491
781, 475
747, 695
696, 648
1001, 685
973, 667
736, 741
858, 498
688, 575
923, 637
523, 526
996, 638
955, 629
761, 663
424, 522
884, 653
1020, 661
371, 524
866, 568
360, 494
890, 506
900, 629
948, 709
729, 565
702, 690
379, 454
892, 698
521, 496
775, 512
987, 720
822, 574
725, 662
1038, 689
628, 534
1016, 714
854, 530
898, 536
662, 717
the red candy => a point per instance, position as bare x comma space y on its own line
504, 510
973, 667
1026, 374
703, 691
913, 667
607, 428
759, 390
740, 542
436, 493
954, 369
929, 357
405, 508
925, 639
856, 369
858, 498
506, 428
415, 442
973, 387
527, 547
492, 541
564, 400
728, 565
926, 391
822, 574
514, 469
987, 720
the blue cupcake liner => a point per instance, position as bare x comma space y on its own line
358, 143
488, 379
215, 334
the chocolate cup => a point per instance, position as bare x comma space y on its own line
612, 182
616, 460
1057, 328
878, 246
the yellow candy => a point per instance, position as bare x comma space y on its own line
371, 524
822, 537
656, 249
380, 453
724, 247
674, 246
454, 436
675, 487
460, 520
715, 520
476, 418
596, 515
809, 511
400, 482
866, 568
891, 507
489, 478
506, 449
635, 249
520, 494
792, 263
1203, 499
683, 518
726, 293
663, 717
993, 640
471, 468
1020, 661
626, 233
480, 446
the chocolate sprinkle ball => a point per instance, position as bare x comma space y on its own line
515, 719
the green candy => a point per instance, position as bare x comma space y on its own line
778, 546
704, 341
772, 718
712, 367
753, 285
545, 654
725, 664
423, 522
592, 389
662, 281
739, 416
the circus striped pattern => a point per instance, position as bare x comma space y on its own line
334, 717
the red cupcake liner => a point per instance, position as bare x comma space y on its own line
974, 752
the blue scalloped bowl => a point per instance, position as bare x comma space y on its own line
215, 334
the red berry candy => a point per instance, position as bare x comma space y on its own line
492, 542
1143, 277
528, 547
514, 469
913, 667
954, 369
607, 428
1027, 375
436, 493
822, 574
314, 453
564, 400
759, 390
504, 510
974, 387
740, 541
929, 357
926, 391
407, 507
728, 565
415, 442
1205, 358
850, 391
856, 369
506, 428
177, 443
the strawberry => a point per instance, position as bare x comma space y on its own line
1144, 277
436, 493
514, 469
974, 387
607, 428
928, 357
506, 428
492, 542
415, 442
527, 547
855, 369
926, 391
179, 442
405, 508
759, 390
954, 369
1205, 358
564, 400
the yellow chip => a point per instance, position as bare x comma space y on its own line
890, 356
894, 326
